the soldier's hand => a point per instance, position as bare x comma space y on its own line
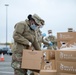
44, 46
51, 44
30, 44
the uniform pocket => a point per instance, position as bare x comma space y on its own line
16, 65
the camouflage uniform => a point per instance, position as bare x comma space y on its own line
22, 36
53, 40
39, 36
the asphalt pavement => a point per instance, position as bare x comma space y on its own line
5, 66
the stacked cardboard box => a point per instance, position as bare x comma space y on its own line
66, 40
66, 61
48, 72
49, 60
60, 62
39, 61
53, 62
49, 65
65, 74
66, 56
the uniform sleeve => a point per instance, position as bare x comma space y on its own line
55, 40
17, 35
45, 41
36, 45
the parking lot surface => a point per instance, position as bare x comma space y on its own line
5, 66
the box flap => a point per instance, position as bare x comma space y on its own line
34, 55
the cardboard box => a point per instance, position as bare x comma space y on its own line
32, 60
66, 40
51, 72
65, 74
66, 35
35, 73
49, 54
66, 67
51, 65
48, 72
66, 44
65, 55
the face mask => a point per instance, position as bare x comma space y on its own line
49, 34
34, 27
41, 26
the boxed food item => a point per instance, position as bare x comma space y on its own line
35, 60
65, 74
66, 40
49, 54
66, 35
48, 72
66, 67
65, 55
32, 59
49, 65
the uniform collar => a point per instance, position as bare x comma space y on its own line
27, 22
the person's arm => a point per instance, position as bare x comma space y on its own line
36, 45
18, 37
45, 41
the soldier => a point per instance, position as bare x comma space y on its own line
39, 33
52, 40
24, 36
41, 38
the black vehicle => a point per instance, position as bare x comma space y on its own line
4, 50
0, 50
9, 52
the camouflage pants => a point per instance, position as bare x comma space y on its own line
16, 65
21, 72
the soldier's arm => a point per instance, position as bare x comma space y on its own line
54, 39
36, 45
45, 41
17, 35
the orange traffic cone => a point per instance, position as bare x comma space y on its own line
2, 57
